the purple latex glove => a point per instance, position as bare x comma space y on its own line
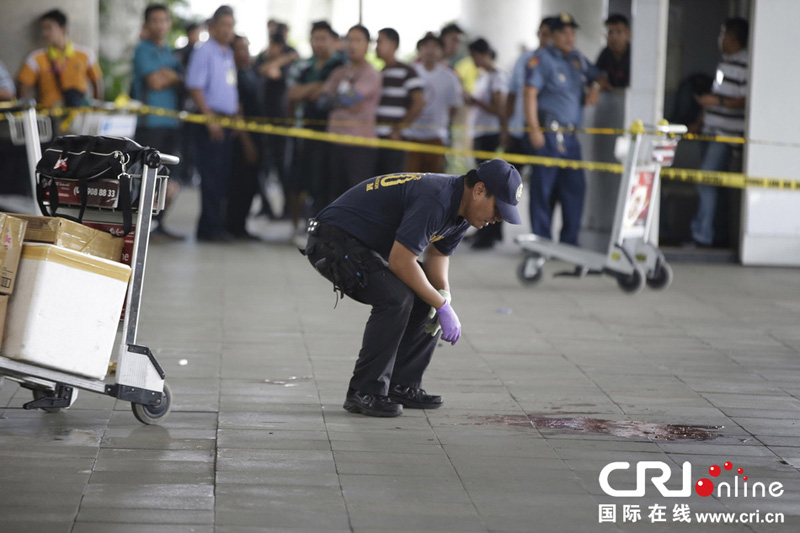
451, 326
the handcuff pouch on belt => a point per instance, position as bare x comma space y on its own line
346, 262
552, 125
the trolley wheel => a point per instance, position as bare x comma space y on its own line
148, 414
529, 270
632, 283
38, 394
662, 276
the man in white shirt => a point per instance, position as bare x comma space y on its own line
442, 97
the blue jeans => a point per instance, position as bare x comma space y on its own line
717, 157
569, 185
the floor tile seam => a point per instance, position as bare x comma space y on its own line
793, 395
219, 377
319, 398
458, 474
4, 383
517, 402
94, 465
594, 382
732, 419
483, 358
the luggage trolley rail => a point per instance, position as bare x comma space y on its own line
139, 379
630, 258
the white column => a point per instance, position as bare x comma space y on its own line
506, 24
648, 61
771, 218
645, 97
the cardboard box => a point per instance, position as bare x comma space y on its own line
65, 310
74, 236
117, 230
12, 232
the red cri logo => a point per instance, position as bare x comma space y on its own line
705, 487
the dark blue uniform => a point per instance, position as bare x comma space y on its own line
349, 243
560, 81
413, 209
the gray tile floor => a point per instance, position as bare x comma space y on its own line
547, 386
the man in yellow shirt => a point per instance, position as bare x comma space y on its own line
60, 73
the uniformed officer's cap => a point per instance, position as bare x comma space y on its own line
562, 20
504, 182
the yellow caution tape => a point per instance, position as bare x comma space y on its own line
274, 127
124, 104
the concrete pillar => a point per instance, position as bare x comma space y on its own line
648, 61
506, 24
645, 98
771, 218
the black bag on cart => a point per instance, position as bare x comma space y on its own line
88, 159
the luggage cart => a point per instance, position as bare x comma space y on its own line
139, 379
631, 258
29, 130
104, 119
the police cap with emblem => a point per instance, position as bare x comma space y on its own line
504, 182
562, 20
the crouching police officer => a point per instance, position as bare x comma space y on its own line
369, 243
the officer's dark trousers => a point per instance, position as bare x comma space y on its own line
242, 188
214, 163
569, 184
395, 348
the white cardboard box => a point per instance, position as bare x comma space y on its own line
65, 310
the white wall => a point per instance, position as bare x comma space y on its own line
770, 218
648, 61
506, 24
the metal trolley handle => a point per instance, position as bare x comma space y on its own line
672, 129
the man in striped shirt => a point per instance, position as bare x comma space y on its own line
724, 115
402, 100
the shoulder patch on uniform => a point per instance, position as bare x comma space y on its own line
576, 63
533, 62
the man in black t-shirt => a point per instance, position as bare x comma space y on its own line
369, 243
306, 82
615, 59
273, 66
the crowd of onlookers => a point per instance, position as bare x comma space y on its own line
533, 109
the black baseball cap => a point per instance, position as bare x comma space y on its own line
562, 20
505, 183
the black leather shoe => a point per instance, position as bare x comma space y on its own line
371, 405
414, 398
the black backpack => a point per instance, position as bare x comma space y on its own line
87, 158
